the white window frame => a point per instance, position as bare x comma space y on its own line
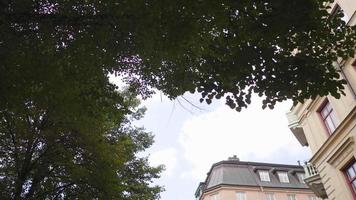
264, 175
292, 197
283, 177
269, 196
241, 196
312, 197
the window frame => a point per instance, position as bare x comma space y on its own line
264, 171
279, 174
244, 196
351, 163
312, 197
354, 63
294, 197
324, 119
271, 195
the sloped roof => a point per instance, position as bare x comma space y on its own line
238, 173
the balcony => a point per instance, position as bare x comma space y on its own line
313, 180
297, 130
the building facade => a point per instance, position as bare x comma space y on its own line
328, 126
237, 180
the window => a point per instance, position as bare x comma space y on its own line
350, 172
214, 197
264, 175
291, 197
269, 196
354, 63
240, 196
301, 177
311, 197
328, 115
283, 177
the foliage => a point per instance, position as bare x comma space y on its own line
65, 131
221, 48
74, 147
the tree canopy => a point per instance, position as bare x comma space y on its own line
73, 150
65, 130
279, 50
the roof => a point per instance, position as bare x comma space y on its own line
234, 172
199, 189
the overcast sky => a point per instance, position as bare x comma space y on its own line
189, 140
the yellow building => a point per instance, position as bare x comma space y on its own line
328, 126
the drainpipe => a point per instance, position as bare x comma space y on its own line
346, 79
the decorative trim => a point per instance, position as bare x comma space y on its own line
337, 133
353, 16
294, 171
255, 169
341, 150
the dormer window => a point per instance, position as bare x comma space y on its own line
283, 177
264, 175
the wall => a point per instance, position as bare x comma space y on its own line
254, 193
332, 152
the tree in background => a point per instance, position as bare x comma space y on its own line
75, 151
65, 130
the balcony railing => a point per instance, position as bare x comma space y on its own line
313, 180
310, 170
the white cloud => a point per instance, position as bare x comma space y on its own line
261, 135
167, 157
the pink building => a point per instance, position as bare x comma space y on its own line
233, 179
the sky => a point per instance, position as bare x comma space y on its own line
189, 139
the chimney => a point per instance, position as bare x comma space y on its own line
234, 158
